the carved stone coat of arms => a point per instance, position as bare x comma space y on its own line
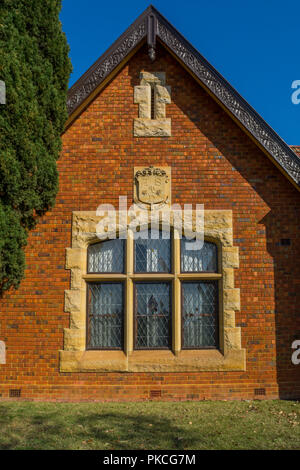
152, 186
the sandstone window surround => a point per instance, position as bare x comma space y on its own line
2, 353
75, 358
152, 95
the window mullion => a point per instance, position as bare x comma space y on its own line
197, 275
176, 333
129, 317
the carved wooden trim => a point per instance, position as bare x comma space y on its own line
102, 68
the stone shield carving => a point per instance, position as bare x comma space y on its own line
151, 186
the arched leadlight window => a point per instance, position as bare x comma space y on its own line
153, 306
153, 252
204, 259
154, 280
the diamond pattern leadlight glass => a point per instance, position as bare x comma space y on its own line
106, 257
153, 254
153, 315
203, 260
199, 315
105, 315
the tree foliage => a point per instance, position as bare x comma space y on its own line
35, 66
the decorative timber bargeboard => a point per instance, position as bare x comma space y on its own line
152, 187
150, 26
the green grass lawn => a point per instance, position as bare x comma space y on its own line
150, 425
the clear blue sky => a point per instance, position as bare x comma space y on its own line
253, 44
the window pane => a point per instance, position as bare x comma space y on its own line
199, 316
204, 259
153, 254
106, 257
153, 315
105, 315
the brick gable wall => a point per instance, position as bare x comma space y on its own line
213, 162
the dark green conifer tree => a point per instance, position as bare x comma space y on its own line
35, 67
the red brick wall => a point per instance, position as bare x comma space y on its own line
213, 162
